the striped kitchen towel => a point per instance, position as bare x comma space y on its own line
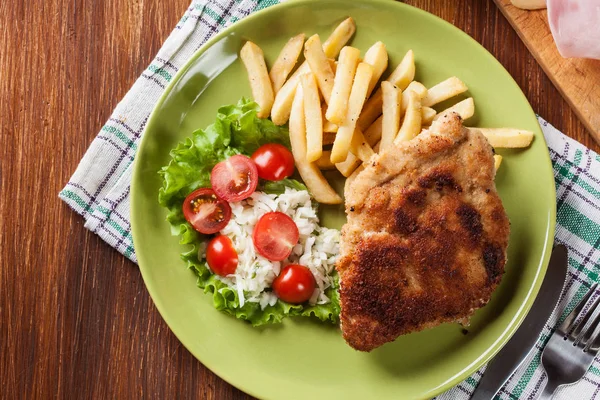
99, 188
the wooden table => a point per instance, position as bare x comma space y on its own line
75, 317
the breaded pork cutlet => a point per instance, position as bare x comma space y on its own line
426, 237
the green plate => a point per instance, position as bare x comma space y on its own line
303, 358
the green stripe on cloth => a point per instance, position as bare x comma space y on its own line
578, 224
526, 377
264, 4
215, 16
564, 174
112, 223
573, 303
73, 196
160, 71
578, 157
592, 275
471, 381
119, 134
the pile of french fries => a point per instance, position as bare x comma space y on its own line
337, 120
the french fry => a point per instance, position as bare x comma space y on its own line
319, 65
374, 132
359, 146
506, 137
329, 126
371, 111
427, 115
312, 117
254, 60
411, 126
333, 65
324, 163
377, 57
339, 37
312, 177
358, 170
338, 102
401, 77
286, 61
352, 161
348, 166
297, 127
392, 104
416, 87
497, 161
465, 109
404, 72
328, 138
443, 91
358, 93
280, 112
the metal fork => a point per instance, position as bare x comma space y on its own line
572, 347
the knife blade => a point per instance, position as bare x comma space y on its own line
523, 341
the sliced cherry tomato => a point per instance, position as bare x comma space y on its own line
273, 161
205, 211
295, 284
274, 236
221, 256
234, 179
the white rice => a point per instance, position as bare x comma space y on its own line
317, 248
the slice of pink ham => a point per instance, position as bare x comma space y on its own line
575, 25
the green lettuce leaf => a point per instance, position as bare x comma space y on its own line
236, 130
226, 299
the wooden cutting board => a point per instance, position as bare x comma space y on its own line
578, 80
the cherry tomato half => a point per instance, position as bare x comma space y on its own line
295, 284
234, 179
221, 256
273, 161
205, 211
274, 236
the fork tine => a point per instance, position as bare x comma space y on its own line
584, 329
593, 345
568, 322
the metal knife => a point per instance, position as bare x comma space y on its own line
516, 349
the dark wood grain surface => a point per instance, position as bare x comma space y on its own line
75, 318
